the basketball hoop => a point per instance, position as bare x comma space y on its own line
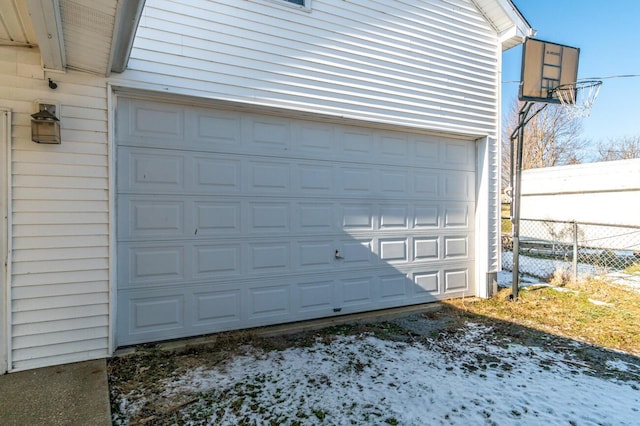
577, 98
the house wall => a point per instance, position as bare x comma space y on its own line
422, 64
428, 63
59, 272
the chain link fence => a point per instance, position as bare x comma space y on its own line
549, 248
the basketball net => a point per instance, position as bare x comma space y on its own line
577, 98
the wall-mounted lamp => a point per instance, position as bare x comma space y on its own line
45, 126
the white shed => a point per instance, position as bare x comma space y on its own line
238, 164
602, 193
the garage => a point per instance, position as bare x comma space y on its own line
230, 218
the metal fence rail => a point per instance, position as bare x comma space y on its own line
549, 247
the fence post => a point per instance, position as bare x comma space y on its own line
575, 251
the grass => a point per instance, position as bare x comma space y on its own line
633, 269
505, 212
592, 311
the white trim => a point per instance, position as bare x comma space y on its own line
5, 240
47, 24
113, 260
481, 217
154, 92
128, 13
499, 109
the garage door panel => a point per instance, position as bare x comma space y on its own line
151, 123
426, 150
456, 280
457, 216
394, 217
214, 128
356, 142
393, 250
314, 138
314, 179
357, 252
394, 181
157, 314
236, 219
427, 216
357, 291
273, 257
269, 302
426, 184
219, 218
394, 146
269, 177
456, 246
214, 261
267, 133
150, 170
355, 181
269, 217
164, 218
459, 154
458, 186
216, 175
315, 254
426, 249
357, 217
427, 283
317, 295
220, 308
316, 217
151, 264
393, 287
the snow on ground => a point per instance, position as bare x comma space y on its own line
458, 379
537, 267
625, 279
546, 267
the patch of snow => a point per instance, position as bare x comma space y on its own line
628, 280
600, 302
544, 268
459, 379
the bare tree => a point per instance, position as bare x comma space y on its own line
551, 138
624, 148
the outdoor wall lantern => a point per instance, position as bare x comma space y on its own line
45, 126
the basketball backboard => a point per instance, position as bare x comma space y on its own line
545, 66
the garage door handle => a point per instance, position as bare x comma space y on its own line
338, 255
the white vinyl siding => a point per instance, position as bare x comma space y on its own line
428, 64
60, 262
425, 65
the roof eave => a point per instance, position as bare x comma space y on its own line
510, 25
126, 23
47, 26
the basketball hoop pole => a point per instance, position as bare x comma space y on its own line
516, 182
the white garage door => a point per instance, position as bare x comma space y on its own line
232, 219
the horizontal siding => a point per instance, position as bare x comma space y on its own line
60, 217
60, 354
429, 64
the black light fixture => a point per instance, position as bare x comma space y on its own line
45, 126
